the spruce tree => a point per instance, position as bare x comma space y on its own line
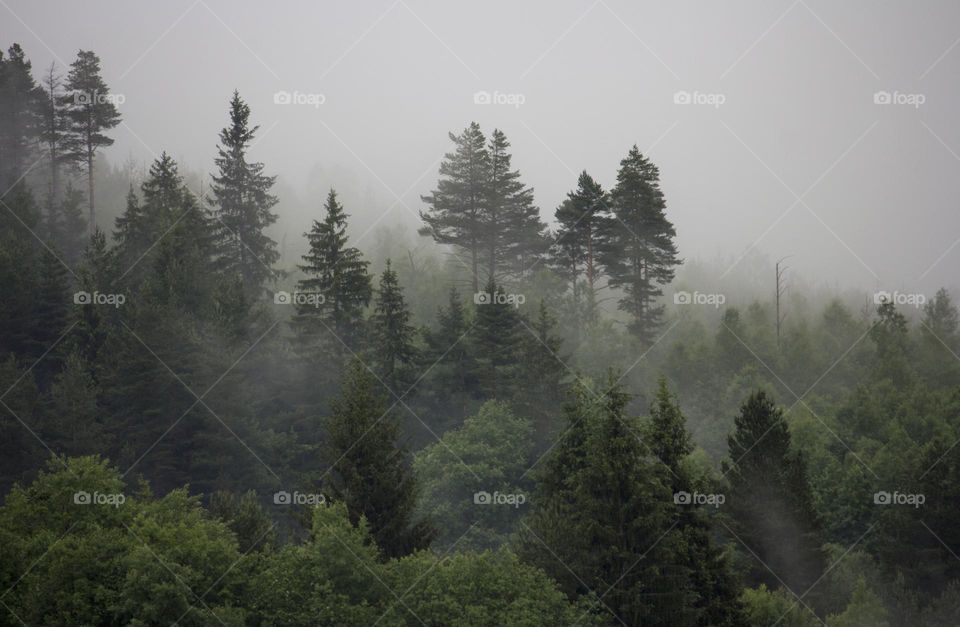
456, 212
543, 374
392, 335
242, 206
91, 112
638, 252
771, 501
20, 121
582, 219
66, 226
450, 364
512, 228
369, 470
337, 280
603, 511
73, 424
497, 341
710, 574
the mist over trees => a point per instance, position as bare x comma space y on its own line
516, 416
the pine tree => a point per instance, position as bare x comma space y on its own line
582, 219
242, 206
889, 335
543, 373
53, 131
638, 253
336, 278
91, 112
497, 341
603, 510
457, 211
512, 228
392, 335
369, 470
770, 499
19, 116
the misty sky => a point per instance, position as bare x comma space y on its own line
795, 81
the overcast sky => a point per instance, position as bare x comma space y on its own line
782, 148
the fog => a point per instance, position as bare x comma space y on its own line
782, 151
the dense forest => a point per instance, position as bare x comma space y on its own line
514, 416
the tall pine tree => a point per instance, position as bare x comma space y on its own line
392, 335
639, 254
242, 206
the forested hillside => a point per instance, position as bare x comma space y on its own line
516, 415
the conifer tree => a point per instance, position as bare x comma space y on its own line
511, 228
449, 363
603, 510
392, 334
337, 279
582, 219
638, 253
19, 116
66, 226
711, 577
457, 212
53, 131
91, 112
242, 206
73, 423
543, 373
369, 470
497, 341
770, 499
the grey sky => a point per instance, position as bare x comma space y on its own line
878, 183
